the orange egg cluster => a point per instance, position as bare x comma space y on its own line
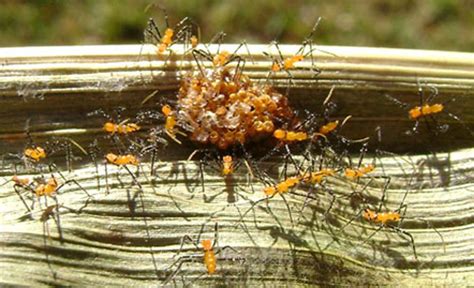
225, 108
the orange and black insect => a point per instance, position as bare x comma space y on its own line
208, 257
282, 187
317, 177
227, 165
185, 31
354, 174
391, 219
122, 161
281, 63
273, 188
170, 123
220, 59
117, 129
427, 111
313, 177
288, 63
326, 132
290, 136
360, 170
44, 189
121, 128
35, 153
41, 187
329, 126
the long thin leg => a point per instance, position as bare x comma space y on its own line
17, 187
45, 247
179, 262
93, 154
396, 101
350, 221
134, 178
333, 200
152, 34
434, 93
201, 172
363, 150
216, 236
77, 184
384, 191
455, 117
186, 239
372, 235
58, 220
289, 210
152, 168
400, 230
147, 230
107, 188
420, 94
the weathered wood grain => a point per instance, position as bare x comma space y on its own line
115, 238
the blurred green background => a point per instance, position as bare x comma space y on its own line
435, 24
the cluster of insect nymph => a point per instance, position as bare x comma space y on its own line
239, 128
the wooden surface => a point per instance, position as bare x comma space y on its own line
127, 238
47, 85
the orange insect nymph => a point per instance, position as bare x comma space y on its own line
289, 136
227, 165
170, 121
279, 134
329, 127
357, 173
282, 187
48, 188
166, 110
289, 63
369, 215
209, 256
367, 169
35, 154
276, 67
166, 40
128, 128
318, 176
381, 218
112, 128
270, 190
221, 58
420, 111
194, 41
121, 160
